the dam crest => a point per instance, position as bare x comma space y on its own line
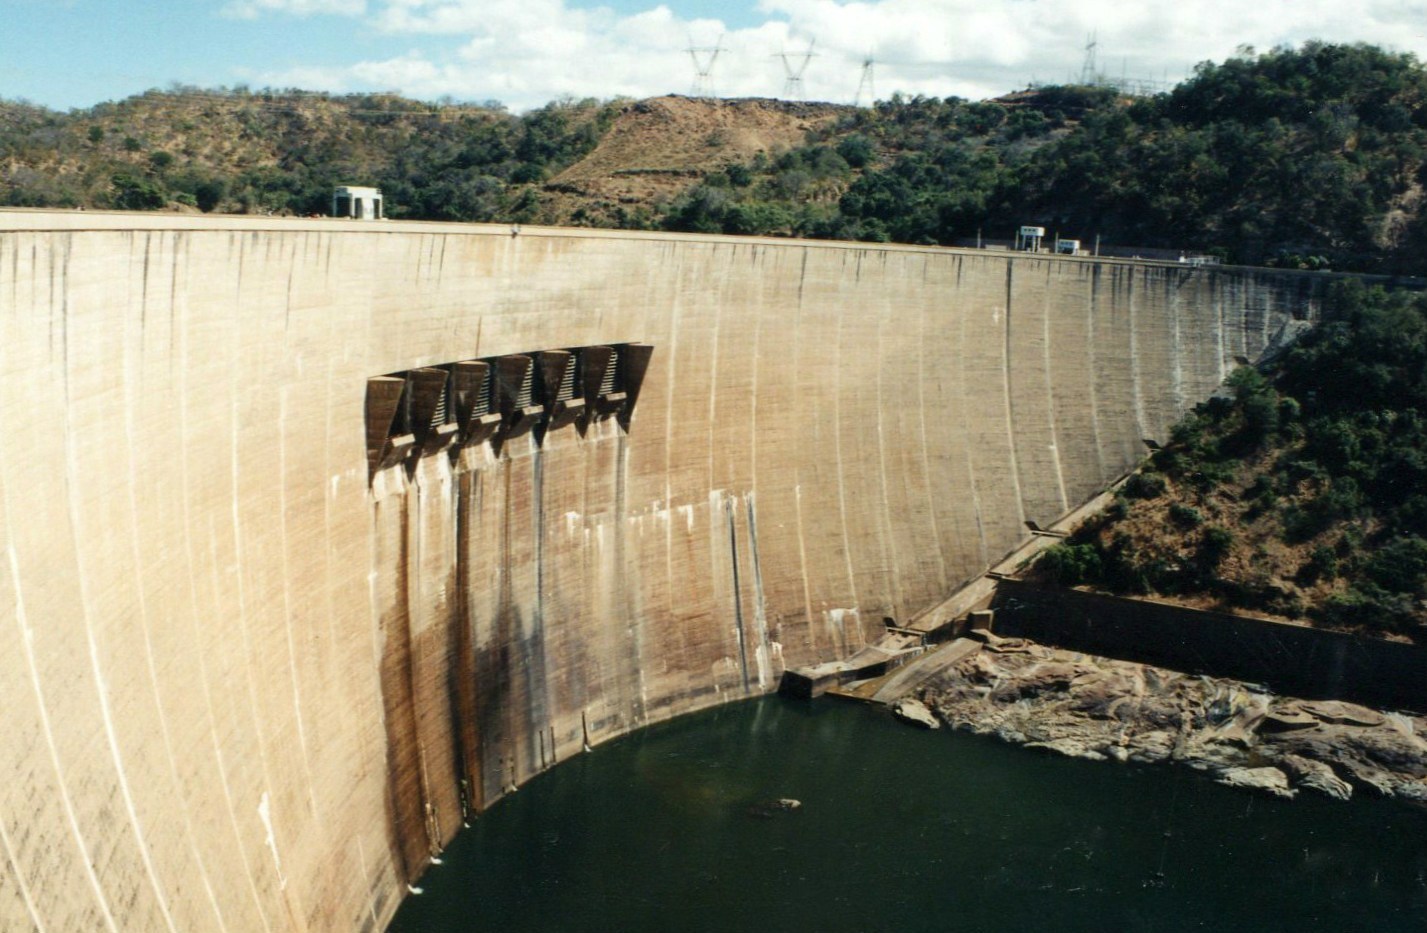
319, 537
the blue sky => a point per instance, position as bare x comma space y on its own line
75, 53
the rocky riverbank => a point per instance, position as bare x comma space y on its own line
1102, 709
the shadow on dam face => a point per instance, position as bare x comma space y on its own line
327, 535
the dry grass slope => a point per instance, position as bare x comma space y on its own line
659, 148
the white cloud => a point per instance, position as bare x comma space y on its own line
252, 9
527, 52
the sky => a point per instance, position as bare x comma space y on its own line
524, 53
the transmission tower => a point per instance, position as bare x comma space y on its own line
704, 58
1088, 75
794, 64
866, 83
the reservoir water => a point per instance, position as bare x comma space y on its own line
902, 830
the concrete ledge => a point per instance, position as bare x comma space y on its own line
1293, 660
874, 661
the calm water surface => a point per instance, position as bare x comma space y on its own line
902, 830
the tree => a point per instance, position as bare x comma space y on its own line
135, 194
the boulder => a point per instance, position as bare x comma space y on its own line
1388, 750
1070, 748
1106, 694
1036, 680
1268, 780
1413, 792
1151, 747
1369, 778
1315, 775
1340, 713
1233, 734
1159, 712
1286, 719
914, 711
1204, 752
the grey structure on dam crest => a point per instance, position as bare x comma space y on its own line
316, 536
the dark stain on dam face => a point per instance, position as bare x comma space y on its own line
458, 459
404, 796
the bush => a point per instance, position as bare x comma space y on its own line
1342, 500
1322, 564
1261, 488
753, 217
1185, 516
857, 150
1145, 485
208, 194
1367, 606
136, 194
1261, 417
1171, 461
1400, 566
1121, 572
1214, 546
1071, 564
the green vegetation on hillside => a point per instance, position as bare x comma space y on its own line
1301, 491
1310, 157
284, 151
917, 170
1306, 157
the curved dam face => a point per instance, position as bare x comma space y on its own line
317, 537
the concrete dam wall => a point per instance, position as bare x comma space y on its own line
317, 537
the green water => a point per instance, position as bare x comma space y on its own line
902, 830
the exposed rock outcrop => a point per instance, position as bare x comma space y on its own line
914, 711
1242, 735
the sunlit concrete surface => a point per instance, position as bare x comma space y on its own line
251, 681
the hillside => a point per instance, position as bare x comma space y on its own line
1311, 157
1300, 492
282, 152
657, 149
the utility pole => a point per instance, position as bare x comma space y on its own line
1088, 77
866, 83
793, 70
704, 58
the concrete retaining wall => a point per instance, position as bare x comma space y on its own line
1292, 660
249, 685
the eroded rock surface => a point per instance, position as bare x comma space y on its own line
914, 711
1099, 708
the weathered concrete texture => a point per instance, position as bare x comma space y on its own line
243, 678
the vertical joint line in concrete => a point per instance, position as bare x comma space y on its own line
737, 592
538, 495
1009, 393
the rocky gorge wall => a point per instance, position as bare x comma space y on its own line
317, 537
